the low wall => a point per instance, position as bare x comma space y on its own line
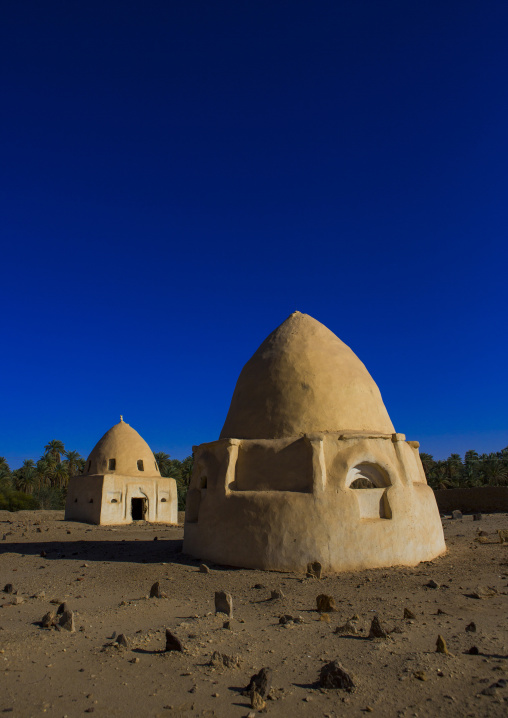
485, 498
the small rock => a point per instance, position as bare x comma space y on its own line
409, 615
62, 608
259, 585
483, 592
376, 629
477, 517
276, 594
134, 660
471, 627
503, 535
122, 640
473, 651
204, 569
456, 514
432, 584
348, 629
227, 625
256, 701
333, 675
224, 603
8, 588
48, 620
67, 621
324, 617
223, 660
43, 554
39, 594
420, 675
314, 569
172, 642
260, 682
155, 538
325, 603
492, 690
17, 600
441, 645
38, 530
155, 591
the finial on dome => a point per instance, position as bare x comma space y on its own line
121, 417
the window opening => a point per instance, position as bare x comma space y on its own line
140, 465
112, 464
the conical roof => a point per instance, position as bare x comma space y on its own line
126, 447
303, 380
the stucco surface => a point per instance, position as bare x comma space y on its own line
304, 379
306, 428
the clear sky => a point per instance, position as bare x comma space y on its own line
178, 177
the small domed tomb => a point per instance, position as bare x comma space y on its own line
121, 483
309, 467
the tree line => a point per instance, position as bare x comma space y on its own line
470, 472
43, 484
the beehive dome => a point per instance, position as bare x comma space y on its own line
303, 380
122, 451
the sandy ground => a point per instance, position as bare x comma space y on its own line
105, 574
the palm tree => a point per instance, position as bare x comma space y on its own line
73, 462
61, 475
45, 470
25, 477
55, 448
163, 462
5, 474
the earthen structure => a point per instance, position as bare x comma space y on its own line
121, 483
309, 467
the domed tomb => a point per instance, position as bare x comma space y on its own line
121, 483
308, 467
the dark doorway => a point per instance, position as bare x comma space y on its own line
138, 509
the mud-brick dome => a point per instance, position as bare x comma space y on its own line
122, 451
303, 380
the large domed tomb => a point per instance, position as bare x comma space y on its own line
121, 483
309, 467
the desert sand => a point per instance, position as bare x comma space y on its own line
104, 574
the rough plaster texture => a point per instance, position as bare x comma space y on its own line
483, 498
103, 495
306, 425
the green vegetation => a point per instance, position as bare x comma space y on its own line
181, 471
472, 471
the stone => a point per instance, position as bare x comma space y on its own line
409, 615
420, 675
62, 608
224, 603
432, 584
477, 517
474, 651
456, 514
172, 642
376, 629
155, 591
48, 620
259, 586
471, 627
503, 535
224, 660
348, 629
8, 588
43, 554
260, 682
441, 646
314, 569
122, 640
256, 701
483, 592
204, 568
286, 618
67, 621
325, 603
492, 690
227, 625
276, 594
333, 675
17, 600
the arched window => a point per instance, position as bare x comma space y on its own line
140, 465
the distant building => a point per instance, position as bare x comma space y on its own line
121, 483
309, 467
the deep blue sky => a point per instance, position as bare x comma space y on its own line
178, 177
